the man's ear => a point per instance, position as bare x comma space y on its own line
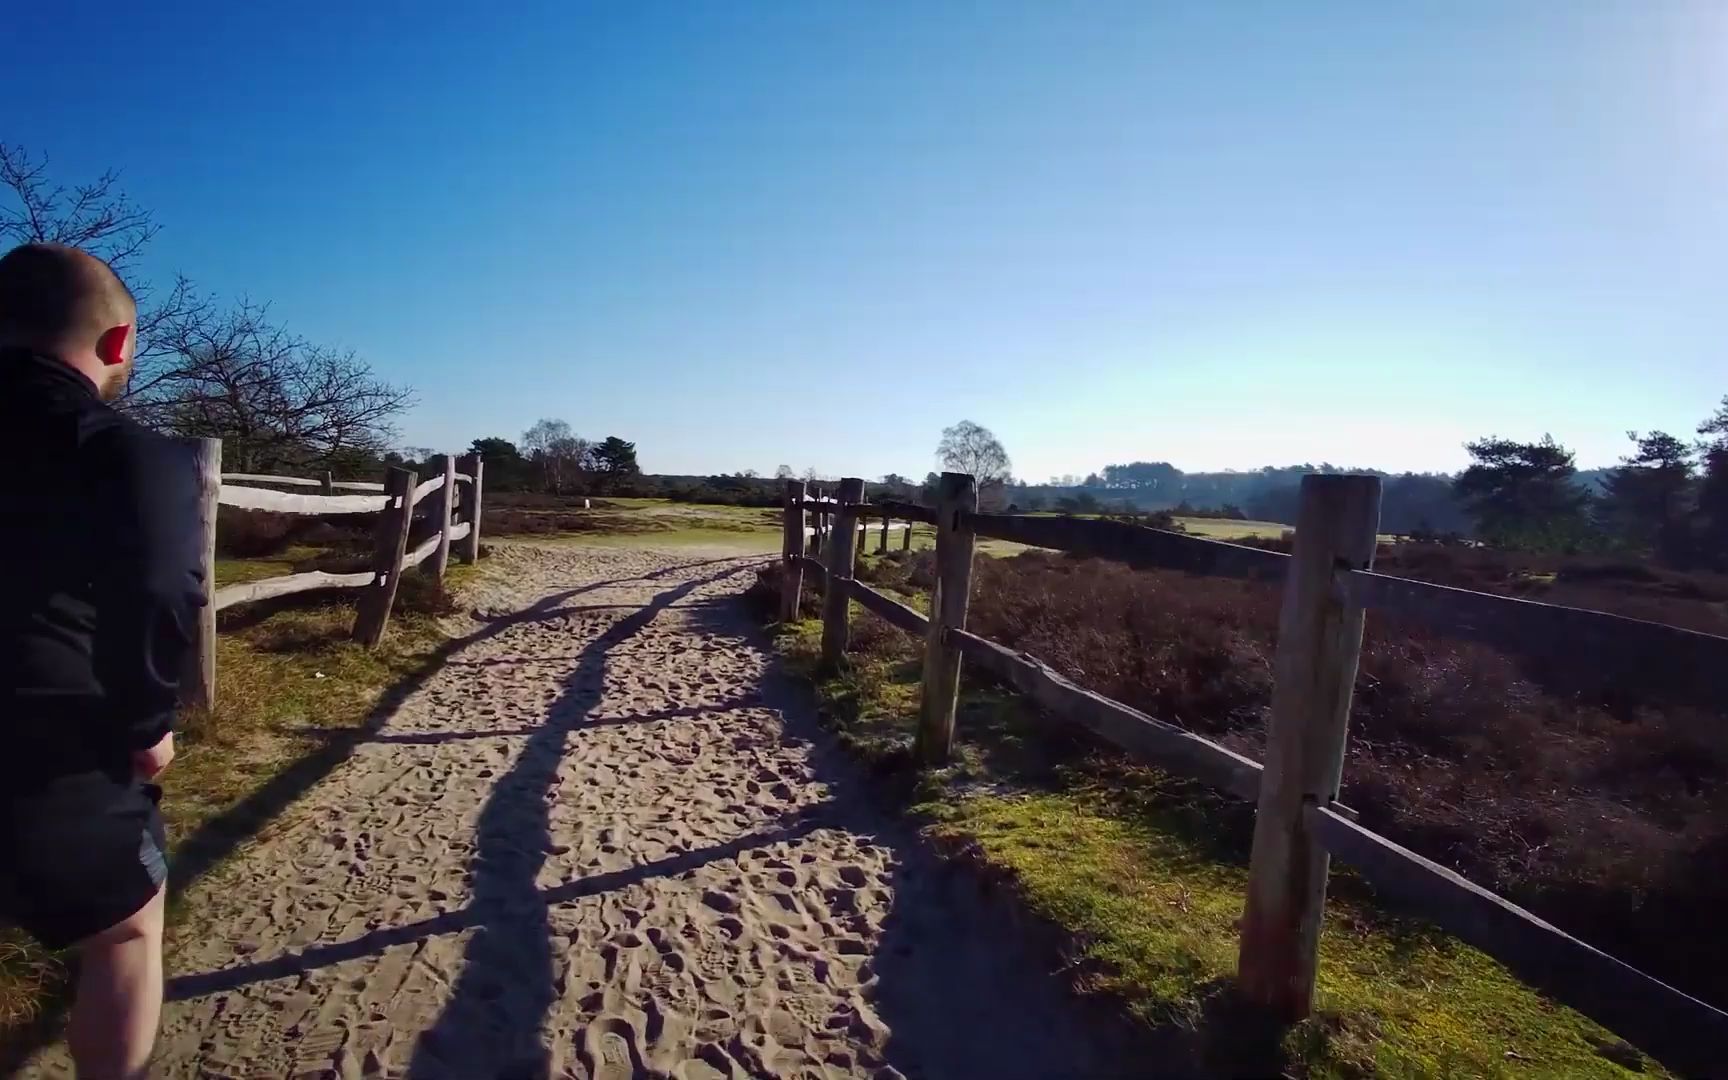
111, 346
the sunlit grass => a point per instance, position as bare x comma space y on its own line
1148, 874
241, 571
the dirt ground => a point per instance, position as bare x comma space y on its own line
606, 839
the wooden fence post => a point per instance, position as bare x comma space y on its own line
882, 545
444, 502
863, 534
329, 485
198, 679
469, 508
791, 547
390, 546
1314, 673
906, 538
837, 600
957, 494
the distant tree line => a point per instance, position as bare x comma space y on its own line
549, 459
1667, 499
1411, 502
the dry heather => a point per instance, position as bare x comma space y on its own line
1581, 794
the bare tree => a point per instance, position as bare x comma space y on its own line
783, 472
275, 399
972, 448
100, 218
544, 432
562, 456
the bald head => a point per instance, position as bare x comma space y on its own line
71, 305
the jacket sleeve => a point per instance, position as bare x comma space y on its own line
148, 578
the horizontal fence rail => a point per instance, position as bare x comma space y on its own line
301, 481
910, 511
1328, 583
888, 609
1135, 545
1153, 741
426, 488
451, 504
1673, 1026
282, 502
1688, 663
229, 595
419, 555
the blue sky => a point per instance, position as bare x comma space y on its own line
1223, 235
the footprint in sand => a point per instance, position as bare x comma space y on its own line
573, 850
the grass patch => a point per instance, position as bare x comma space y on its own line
284, 685
1157, 912
1231, 529
289, 561
634, 522
287, 683
1148, 873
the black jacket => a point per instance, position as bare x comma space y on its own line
100, 575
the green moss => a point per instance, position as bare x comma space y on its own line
241, 571
1148, 873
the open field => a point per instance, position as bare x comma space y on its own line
1148, 873
1226, 529
631, 521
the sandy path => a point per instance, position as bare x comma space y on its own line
604, 840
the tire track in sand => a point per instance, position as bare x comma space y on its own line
604, 840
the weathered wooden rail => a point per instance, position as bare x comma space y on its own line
1328, 582
450, 501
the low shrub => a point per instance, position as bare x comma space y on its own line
258, 534
1581, 791
1601, 819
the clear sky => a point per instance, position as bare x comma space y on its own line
1218, 234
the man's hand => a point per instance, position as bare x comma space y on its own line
148, 764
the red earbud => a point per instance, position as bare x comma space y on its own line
111, 346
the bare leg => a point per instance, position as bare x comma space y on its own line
119, 1004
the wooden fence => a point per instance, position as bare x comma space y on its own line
1327, 582
452, 500
820, 530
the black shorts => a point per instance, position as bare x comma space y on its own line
79, 855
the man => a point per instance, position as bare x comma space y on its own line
98, 544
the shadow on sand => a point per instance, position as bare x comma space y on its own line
964, 980
955, 984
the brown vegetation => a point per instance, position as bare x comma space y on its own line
1577, 793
